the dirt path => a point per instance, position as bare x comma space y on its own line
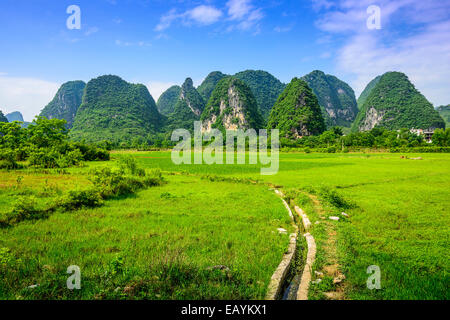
329, 248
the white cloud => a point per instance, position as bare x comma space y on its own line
91, 30
246, 16
415, 39
238, 9
157, 88
202, 15
27, 95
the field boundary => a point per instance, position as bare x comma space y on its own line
302, 293
279, 277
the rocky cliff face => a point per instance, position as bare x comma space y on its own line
191, 97
66, 102
232, 106
336, 98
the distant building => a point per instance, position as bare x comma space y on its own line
426, 133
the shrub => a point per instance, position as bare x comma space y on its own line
8, 159
129, 164
331, 149
113, 183
78, 199
334, 198
23, 209
44, 158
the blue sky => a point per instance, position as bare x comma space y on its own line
160, 43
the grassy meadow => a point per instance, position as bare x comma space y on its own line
210, 232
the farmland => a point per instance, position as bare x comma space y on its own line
210, 232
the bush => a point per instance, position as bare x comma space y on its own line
23, 209
44, 158
129, 164
78, 199
113, 183
8, 159
331, 149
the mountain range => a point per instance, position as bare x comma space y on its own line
109, 108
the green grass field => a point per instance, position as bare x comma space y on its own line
162, 242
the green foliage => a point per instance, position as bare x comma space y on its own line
44, 143
400, 104
246, 99
264, 86
441, 137
115, 110
129, 163
166, 102
24, 208
113, 183
77, 199
66, 102
208, 85
334, 95
297, 112
336, 199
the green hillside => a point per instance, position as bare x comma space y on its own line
232, 106
297, 112
187, 109
208, 85
444, 111
66, 102
265, 87
395, 103
336, 98
363, 97
166, 102
115, 110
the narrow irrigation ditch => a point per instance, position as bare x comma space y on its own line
292, 278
